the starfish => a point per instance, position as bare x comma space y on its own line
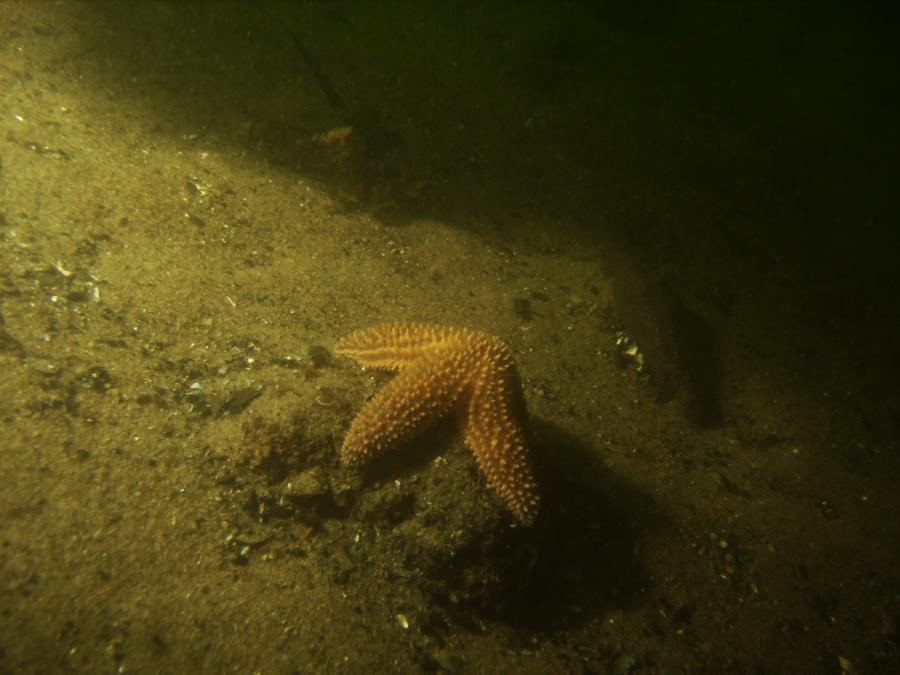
445, 370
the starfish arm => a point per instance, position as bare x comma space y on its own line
495, 436
394, 346
414, 400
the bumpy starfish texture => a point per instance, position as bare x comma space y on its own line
443, 370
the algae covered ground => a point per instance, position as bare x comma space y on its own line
679, 218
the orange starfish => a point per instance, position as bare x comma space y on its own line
444, 370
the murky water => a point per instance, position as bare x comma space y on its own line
679, 219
